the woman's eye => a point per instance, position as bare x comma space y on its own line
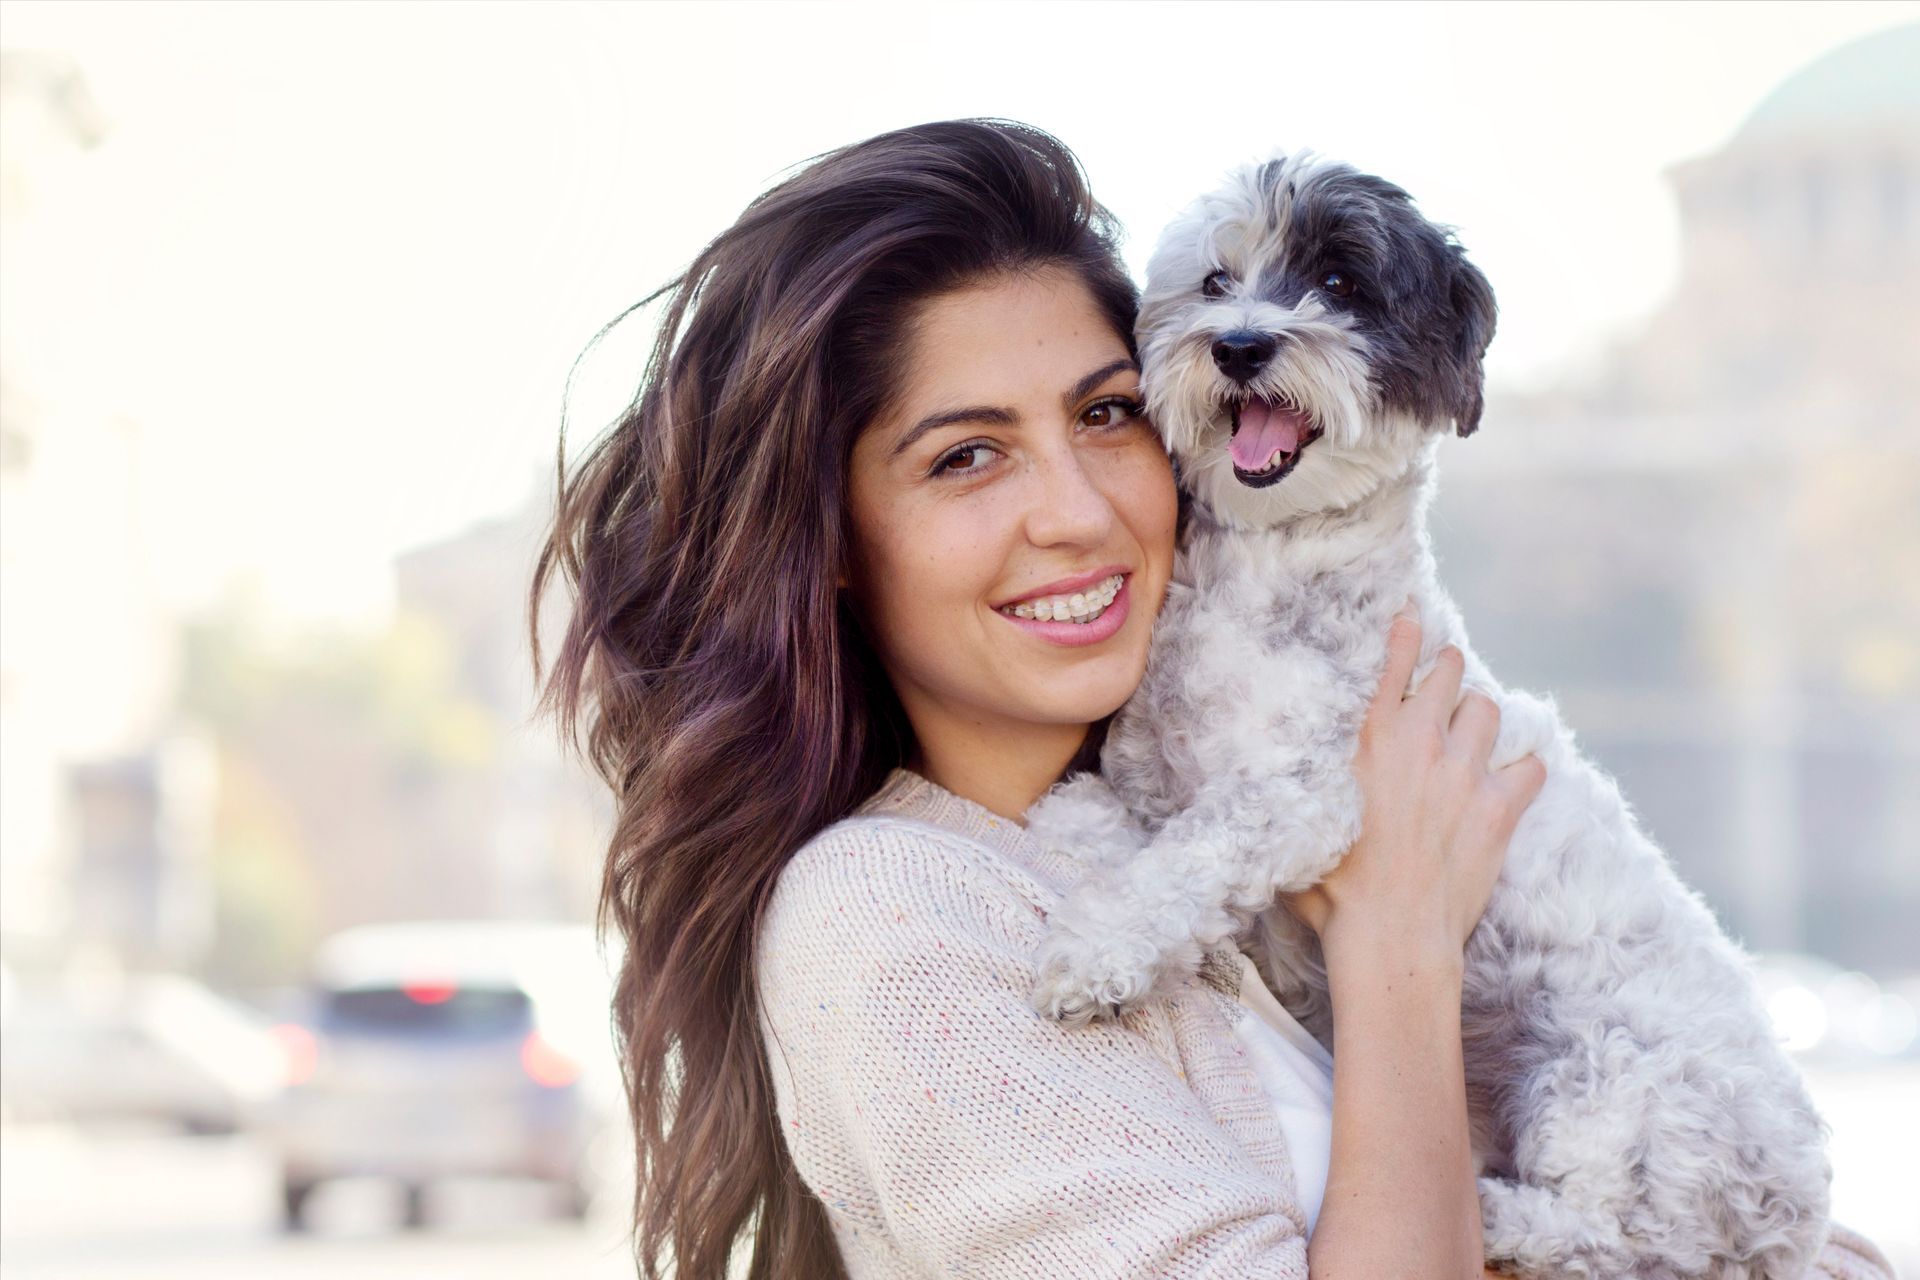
1338, 283
1112, 413
965, 451
1216, 285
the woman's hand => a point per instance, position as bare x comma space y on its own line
1393, 919
1435, 823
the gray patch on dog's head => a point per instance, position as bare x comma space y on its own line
1427, 313
1438, 309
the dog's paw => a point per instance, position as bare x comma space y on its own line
1534, 1234
1080, 981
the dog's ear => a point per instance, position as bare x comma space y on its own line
1473, 316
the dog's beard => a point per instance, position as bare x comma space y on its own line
1347, 445
1326, 479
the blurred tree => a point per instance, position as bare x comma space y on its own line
348, 759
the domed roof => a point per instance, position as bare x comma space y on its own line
1873, 79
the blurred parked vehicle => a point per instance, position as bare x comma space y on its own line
1823, 1012
435, 1050
140, 1047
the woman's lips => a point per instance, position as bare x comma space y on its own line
1074, 634
1068, 585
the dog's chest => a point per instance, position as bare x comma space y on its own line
1239, 660
1269, 615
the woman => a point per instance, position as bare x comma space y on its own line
890, 410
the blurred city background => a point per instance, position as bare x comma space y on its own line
289, 298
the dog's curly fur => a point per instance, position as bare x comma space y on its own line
1633, 1115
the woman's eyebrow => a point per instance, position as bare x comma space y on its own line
1078, 391
979, 413
999, 417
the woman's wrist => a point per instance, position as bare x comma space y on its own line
1401, 1153
1363, 947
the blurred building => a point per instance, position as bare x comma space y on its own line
531, 824
396, 773
105, 799
1710, 554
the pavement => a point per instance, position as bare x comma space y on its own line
143, 1204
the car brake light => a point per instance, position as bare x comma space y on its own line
430, 992
300, 1052
546, 1064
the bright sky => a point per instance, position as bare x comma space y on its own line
336, 259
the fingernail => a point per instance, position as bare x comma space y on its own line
1407, 610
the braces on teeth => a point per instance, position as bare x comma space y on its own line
1081, 606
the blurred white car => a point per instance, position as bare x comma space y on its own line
143, 1046
445, 1049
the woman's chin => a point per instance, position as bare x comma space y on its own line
1085, 696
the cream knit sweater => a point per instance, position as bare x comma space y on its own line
952, 1131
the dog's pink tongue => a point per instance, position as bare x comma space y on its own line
1265, 427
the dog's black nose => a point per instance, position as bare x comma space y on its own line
1242, 353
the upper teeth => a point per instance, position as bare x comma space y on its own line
1081, 606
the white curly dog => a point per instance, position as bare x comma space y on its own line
1307, 338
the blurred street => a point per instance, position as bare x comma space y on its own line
127, 1203
132, 1205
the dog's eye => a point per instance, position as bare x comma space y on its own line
1215, 285
1338, 283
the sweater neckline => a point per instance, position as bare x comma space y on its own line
907, 794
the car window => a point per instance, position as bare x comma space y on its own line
429, 1010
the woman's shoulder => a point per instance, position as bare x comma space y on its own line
903, 868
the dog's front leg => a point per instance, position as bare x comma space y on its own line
1084, 818
1129, 927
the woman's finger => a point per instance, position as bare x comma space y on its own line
1475, 725
1440, 691
1403, 653
1309, 906
1519, 783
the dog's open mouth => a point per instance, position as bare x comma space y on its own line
1268, 438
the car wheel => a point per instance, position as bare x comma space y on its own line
294, 1195
208, 1126
576, 1200
414, 1214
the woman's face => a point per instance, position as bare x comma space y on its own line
1016, 466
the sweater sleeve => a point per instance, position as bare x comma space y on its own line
1848, 1255
949, 1129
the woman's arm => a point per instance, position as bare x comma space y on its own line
1393, 919
952, 1130
1400, 1196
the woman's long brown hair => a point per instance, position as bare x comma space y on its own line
725, 690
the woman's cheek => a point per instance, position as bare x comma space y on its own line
1153, 498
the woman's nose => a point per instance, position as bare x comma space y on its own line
1068, 507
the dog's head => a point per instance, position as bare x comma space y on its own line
1303, 331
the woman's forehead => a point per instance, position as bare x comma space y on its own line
1008, 339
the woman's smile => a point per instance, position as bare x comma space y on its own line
1081, 617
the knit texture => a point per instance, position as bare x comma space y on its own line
1851, 1256
952, 1131
948, 1128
